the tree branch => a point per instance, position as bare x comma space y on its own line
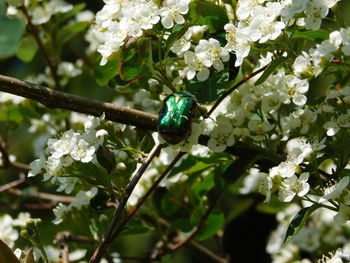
147, 194
108, 238
55, 99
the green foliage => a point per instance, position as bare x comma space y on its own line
319, 34
299, 221
136, 59
103, 74
208, 13
209, 90
271, 68
27, 49
11, 33
214, 223
68, 32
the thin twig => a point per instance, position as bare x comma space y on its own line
20, 180
45, 196
107, 239
147, 194
35, 32
225, 94
55, 99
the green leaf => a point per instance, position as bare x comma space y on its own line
208, 13
15, 3
135, 226
27, 49
299, 221
147, 143
103, 74
11, 113
2, 8
136, 60
68, 32
106, 158
319, 34
214, 223
10, 36
270, 69
6, 254
204, 186
209, 90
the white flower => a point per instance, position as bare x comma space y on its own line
194, 65
331, 127
210, 53
37, 166
302, 65
294, 186
343, 214
335, 190
265, 185
292, 7
7, 233
262, 29
222, 135
21, 219
83, 151
84, 197
238, 41
251, 181
173, 11
63, 146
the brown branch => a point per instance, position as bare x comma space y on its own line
45, 196
147, 194
12, 184
108, 237
35, 33
55, 99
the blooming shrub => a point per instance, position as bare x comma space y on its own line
271, 124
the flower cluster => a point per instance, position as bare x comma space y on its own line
42, 13
321, 231
71, 147
314, 62
119, 20
83, 199
8, 231
261, 21
239, 113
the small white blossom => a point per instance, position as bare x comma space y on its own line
173, 11
293, 186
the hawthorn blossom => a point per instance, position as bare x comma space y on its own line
173, 11
293, 186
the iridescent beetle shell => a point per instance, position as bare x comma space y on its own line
175, 117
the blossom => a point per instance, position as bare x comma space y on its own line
210, 53
7, 233
173, 11
293, 186
222, 135
37, 166
335, 190
83, 151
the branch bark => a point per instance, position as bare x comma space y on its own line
55, 99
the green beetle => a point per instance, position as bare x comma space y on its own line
175, 116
